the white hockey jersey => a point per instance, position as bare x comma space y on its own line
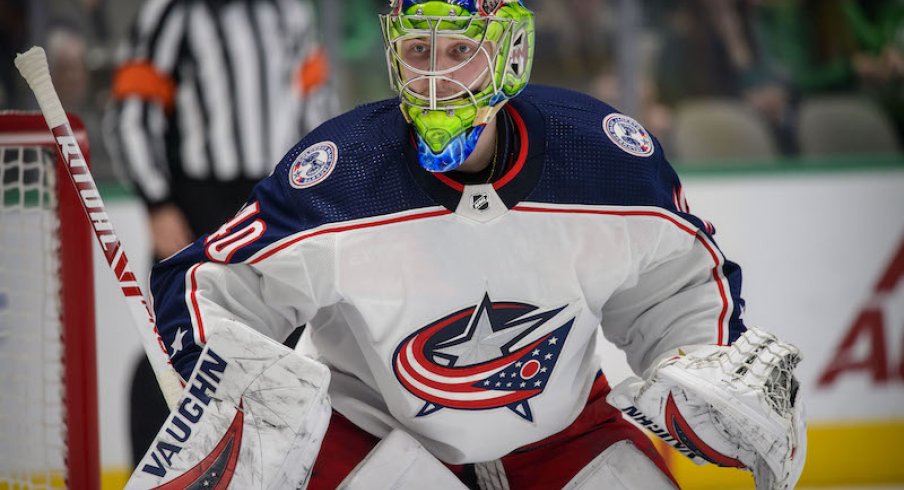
469, 315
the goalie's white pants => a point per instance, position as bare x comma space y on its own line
621, 467
550, 463
399, 462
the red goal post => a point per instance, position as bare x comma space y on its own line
48, 376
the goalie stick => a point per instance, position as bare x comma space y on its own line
33, 66
258, 388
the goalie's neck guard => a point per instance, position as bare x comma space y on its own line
455, 64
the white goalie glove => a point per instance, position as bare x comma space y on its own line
736, 406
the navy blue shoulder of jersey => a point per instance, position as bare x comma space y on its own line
370, 177
584, 165
350, 167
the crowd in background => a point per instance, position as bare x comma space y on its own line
766, 59
771, 56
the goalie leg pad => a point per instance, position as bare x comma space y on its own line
252, 415
620, 467
399, 462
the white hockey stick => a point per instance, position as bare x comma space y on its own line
33, 67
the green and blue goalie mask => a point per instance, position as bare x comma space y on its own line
455, 63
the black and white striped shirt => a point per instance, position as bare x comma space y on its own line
215, 90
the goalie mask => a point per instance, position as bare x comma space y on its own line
455, 63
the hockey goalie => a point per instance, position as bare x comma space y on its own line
458, 253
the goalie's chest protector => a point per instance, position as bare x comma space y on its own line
469, 314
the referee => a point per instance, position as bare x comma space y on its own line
208, 97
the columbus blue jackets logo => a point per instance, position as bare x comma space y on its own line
313, 165
628, 135
489, 356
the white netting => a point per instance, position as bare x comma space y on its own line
760, 362
764, 363
32, 428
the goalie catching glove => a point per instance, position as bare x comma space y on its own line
736, 406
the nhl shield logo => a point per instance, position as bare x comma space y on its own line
480, 202
628, 135
313, 165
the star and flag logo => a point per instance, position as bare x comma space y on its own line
493, 355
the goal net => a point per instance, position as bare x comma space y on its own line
48, 394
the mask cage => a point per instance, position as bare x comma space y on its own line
399, 28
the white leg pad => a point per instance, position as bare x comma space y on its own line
252, 415
399, 462
620, 467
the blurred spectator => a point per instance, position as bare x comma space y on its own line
87, 17
207, 99
576, 38
709, 49
809, 43
67, 52
361, 53
879, 29
879, 61
13, 39
836, 46
579, 39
